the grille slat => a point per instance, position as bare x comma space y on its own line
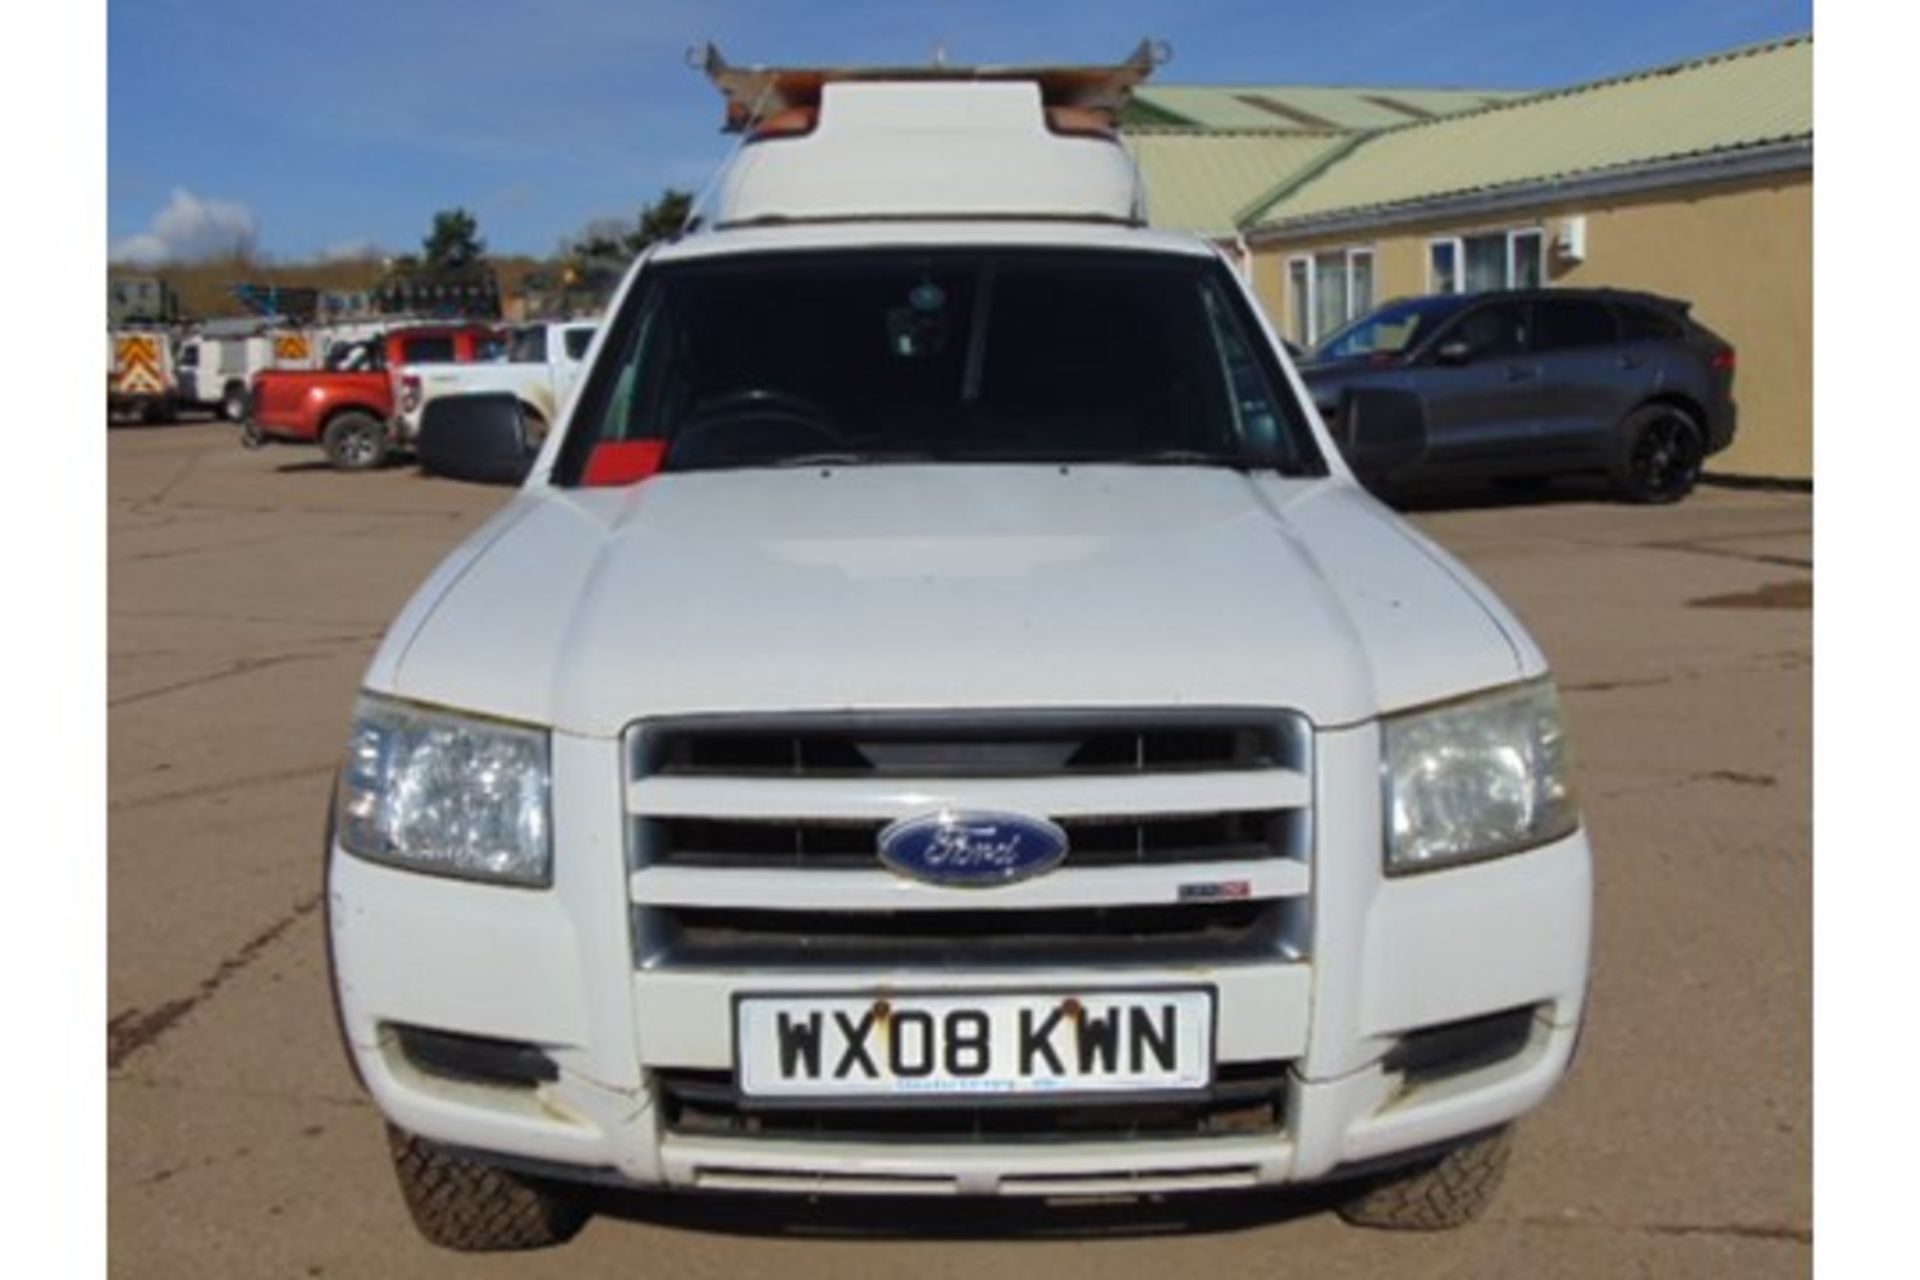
1112, 937
896, 747
1246, 1098
1160, 839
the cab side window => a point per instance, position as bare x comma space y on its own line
1644, 324
529, 346
1490, 332
426, 351
1563, 324
577, 341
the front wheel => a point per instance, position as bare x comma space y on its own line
233, 405
1660, 453
462, 1204
355, 442
1437, 1195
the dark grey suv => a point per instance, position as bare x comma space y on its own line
1522, 385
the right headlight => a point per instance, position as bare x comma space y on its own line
435, 791
1476, 779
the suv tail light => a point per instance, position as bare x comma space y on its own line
410, 393
1723, 361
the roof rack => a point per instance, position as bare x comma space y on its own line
755, 94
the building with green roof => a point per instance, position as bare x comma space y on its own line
1693, 180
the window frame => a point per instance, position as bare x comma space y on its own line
1310, 331
1510, 257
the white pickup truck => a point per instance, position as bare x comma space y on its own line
940, 717
539, 366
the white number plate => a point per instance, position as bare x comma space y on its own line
973, 1044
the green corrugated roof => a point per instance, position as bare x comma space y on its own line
1744, 98
1300, 108
1200, 180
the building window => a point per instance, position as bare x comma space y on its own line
1299, 300
1325, 290
1486, 260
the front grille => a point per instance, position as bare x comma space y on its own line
1189, 838
1120, 840
1114, 937
1245, 1099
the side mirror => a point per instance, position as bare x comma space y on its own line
475, 437
1455, 352
1383, 433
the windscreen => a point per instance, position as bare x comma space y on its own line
1393, 329
951, 356
528, 345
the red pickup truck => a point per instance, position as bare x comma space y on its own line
347, 407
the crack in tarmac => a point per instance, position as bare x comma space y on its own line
1694, 547
131, 1030
241, 667
157, 1083
214, 788
255, 619
1783, 660
1770, 1231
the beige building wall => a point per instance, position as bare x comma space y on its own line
1741, 253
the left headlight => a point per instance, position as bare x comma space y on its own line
449, 794
1476, 779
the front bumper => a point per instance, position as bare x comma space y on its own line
554, 968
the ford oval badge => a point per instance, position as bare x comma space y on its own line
972, 849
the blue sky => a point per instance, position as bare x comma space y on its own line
321, 127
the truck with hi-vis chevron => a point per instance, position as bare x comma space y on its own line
140, 375
153, 372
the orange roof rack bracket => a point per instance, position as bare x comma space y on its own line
756, 95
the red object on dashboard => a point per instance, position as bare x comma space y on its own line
618, 462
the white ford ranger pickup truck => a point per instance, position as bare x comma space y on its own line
939, 716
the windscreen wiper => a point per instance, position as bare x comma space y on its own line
1202, 458
845, 458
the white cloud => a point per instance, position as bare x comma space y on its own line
352, 251
190, 227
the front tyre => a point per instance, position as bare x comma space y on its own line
1437, 1195
1660, 452
233, 404
471, 1207
355, 441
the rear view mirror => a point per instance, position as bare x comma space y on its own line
475, 437
1455, 352
1383, 433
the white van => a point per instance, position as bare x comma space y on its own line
217, 363
940, 717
